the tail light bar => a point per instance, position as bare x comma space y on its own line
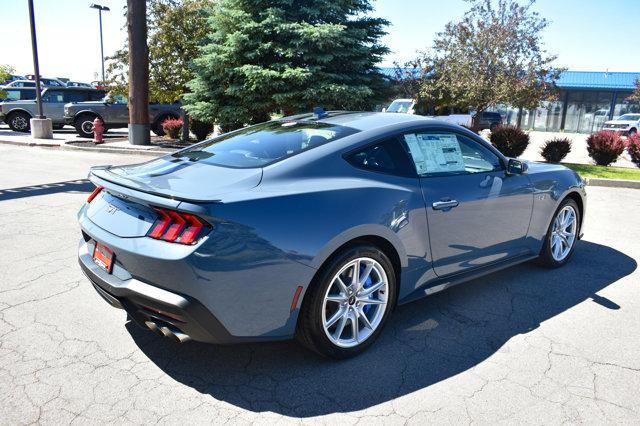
177, 227
94, 193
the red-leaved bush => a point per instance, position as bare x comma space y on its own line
633, 147
172, 127
554, 150
604, 147
510, 140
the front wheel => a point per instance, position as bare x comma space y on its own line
562, 235
348, 304
84, 125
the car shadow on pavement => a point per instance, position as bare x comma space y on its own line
424, 342
71, 186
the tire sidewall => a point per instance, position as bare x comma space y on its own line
312, 306
17, 115
79, 125
547, 251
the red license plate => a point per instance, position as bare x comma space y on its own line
103, 257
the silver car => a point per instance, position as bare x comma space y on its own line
18, 113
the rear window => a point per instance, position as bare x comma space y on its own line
265, 143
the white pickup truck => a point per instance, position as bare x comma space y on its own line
407, 106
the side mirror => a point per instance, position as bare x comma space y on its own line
516, 167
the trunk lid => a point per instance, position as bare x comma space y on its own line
181, 179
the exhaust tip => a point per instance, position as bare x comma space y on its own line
165, 331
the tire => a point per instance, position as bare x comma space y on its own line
633, 131
156, 127
19, 121
84, 125
550, 256
317, 310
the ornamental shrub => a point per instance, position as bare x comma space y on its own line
633, 147
510, 140
604, 147
201, 129
172, 127
554, 150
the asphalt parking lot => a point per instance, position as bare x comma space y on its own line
526, 345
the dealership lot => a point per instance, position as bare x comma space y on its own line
524, 345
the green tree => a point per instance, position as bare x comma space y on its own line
176, 28
5, 74
493, 55
264, 56
635, 96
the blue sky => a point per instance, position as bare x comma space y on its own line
591, 35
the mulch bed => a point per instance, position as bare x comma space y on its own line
159, 142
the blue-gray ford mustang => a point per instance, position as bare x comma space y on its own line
317, 226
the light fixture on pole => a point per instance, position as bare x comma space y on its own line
100, 10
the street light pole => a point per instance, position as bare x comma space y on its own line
41, 127
100, 9
36, 66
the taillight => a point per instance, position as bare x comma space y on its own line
94, 194
176, 227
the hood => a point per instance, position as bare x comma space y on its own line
628, 122
181, 178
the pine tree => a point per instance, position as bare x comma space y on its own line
264, 56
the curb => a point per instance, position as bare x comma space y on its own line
42, 144
64, 146
613, 183
150, 152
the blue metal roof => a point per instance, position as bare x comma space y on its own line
598, 80
623, 81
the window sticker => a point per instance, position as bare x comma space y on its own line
435, 153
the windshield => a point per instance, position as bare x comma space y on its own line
629, 117
399, 106
265, 143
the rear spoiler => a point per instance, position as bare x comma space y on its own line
100, 176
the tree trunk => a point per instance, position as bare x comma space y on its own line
138, 73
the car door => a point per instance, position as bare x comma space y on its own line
53, 105
477, 214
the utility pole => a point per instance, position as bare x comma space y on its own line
138, 73
100, 10
41, 127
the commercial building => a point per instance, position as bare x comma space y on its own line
586, 100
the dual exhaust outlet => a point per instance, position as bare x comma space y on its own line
165, 331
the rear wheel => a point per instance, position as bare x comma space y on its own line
347, 306
19, 121
84, 125
562, 235
633, 131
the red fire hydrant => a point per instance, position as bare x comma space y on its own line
98, 130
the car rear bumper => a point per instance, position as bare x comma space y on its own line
174, 315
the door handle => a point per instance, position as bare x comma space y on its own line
445, 204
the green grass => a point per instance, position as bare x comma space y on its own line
591, 171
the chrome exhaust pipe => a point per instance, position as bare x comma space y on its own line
165, 331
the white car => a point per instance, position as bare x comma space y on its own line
408, 106
627, 124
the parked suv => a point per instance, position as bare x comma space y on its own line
489, 120
114, 113
627, 124
18, 113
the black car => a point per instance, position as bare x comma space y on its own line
489, 120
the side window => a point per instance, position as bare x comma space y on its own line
76, 96
443, 153
54, 96
384, 157
97, 95
27, 94
13, 95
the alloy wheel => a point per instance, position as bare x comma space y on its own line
20, 123
355, 302
563, 234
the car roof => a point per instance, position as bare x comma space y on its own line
360, 120
71, 89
